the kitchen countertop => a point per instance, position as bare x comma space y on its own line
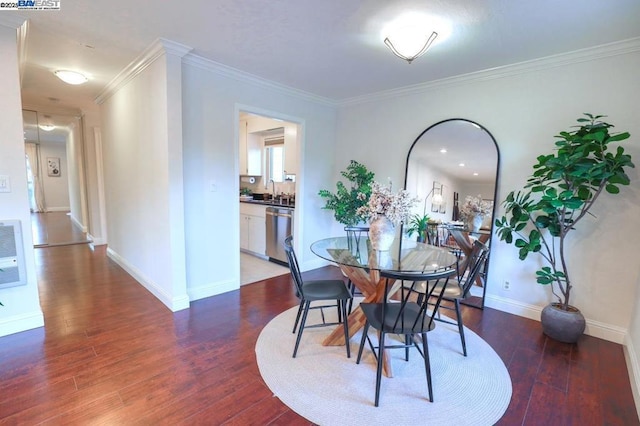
269, 203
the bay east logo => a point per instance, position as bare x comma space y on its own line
30, 5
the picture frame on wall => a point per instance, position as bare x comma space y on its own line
53, 166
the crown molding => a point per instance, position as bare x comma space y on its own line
158, 48
583, 55
245, 77
11, 20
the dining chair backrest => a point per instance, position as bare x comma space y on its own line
405, 316
475, 266
293, 264
355, 235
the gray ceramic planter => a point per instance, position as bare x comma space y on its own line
561, 325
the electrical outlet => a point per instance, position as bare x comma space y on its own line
506, 285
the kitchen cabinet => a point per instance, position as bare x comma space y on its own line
250, 151
291, 150
253, 228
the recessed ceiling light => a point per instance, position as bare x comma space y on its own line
461, 164
71, 77
475, 173
443, 151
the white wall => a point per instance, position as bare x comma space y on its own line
524, 107
21, 309
212, 100
56, 188
142, 147
75, 173
96, 222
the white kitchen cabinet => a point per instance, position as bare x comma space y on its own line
291, 150
250, 151
253, 228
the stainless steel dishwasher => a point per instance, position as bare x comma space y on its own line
279, 226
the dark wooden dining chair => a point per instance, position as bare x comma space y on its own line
317, 291
403, 317
355, 234
455, 292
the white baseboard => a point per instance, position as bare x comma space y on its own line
23, 322
78, 223
96, 241
212, 289
174, 303
597, 329
57, 209
633, 368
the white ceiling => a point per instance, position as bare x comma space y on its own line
330, 48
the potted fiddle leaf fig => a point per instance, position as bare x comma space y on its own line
556, 198
348, 199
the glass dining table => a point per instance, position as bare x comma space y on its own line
362, 265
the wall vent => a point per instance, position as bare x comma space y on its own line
12, 265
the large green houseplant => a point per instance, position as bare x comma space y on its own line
556, 198
347, 199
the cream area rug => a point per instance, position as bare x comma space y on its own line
327, 388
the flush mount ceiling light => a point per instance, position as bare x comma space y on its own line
71, 77
409, 43
410, 35
47, 127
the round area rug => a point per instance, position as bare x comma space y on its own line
327, 388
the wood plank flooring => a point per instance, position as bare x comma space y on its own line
112, 354
55, 229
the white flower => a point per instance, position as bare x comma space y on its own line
382, 202
475, 206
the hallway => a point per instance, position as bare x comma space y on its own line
55, 229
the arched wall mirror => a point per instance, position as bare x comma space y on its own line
448, 162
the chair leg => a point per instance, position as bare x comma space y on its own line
406, 349
379, 372
427, 364
460, 327
365, 330
343, 306
304, 320
295, 325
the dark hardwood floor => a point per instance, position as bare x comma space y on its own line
112, 354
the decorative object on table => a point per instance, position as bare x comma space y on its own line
418, 225
53, 166
474, 210
346, 202
385, 210
558, 195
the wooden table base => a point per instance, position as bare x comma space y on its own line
372, 288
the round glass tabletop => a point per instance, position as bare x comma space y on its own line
404, 255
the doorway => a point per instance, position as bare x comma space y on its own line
268, 165
55, 178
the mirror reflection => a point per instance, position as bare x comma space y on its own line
55, 178
452, 167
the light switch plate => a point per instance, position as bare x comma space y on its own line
5, 183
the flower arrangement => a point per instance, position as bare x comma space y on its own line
475, 206
383, 202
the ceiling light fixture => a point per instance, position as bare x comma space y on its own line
443, 151
410, 42
47, 127
71, 77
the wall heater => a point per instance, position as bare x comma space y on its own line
12, 265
